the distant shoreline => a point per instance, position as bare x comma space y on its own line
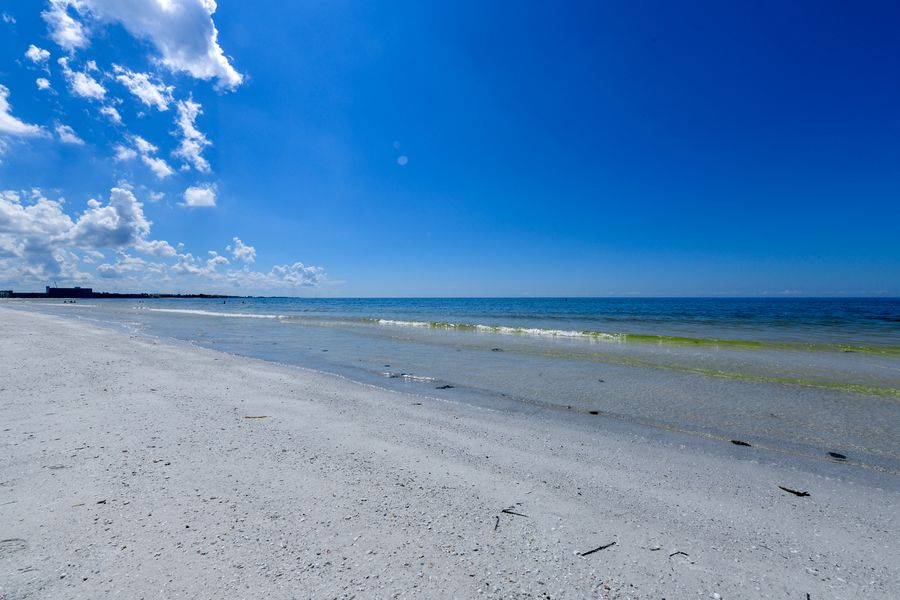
143, 295
101, 295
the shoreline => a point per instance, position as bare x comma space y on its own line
690, 392
148, 475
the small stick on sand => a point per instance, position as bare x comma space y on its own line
604, 547
794, 492
509, 511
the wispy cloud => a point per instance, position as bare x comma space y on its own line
147, 152
67, 135
142, 86
192, 140
81, 83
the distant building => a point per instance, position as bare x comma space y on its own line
75, 292
80, 292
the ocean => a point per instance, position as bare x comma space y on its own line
797, 376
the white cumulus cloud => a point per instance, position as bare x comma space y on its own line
119, 223
298, 274
10, 124
40, 241
242, 252
67, 32
39, 234
182, 31
200, 196
125, 263
37, 55
42, 83
193, 265
279, 277
155, 247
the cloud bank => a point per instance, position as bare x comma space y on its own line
40, 242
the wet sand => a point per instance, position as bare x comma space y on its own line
130, 468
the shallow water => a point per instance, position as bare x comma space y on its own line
800, 376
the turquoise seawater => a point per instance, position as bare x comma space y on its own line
797, 376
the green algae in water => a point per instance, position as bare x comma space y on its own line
627, 361
838, 386
630, 361
756, 345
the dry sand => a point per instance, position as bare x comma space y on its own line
129, 469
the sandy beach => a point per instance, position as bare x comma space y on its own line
133, 467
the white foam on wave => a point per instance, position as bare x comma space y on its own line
549, 332
75, 304
504, 330
211, 313
403, 323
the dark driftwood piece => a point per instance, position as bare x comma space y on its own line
510, 511
740, 443
794, 492
604, 547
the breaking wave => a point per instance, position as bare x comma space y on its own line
641, 338
558, 333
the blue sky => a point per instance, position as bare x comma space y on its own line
419, 149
